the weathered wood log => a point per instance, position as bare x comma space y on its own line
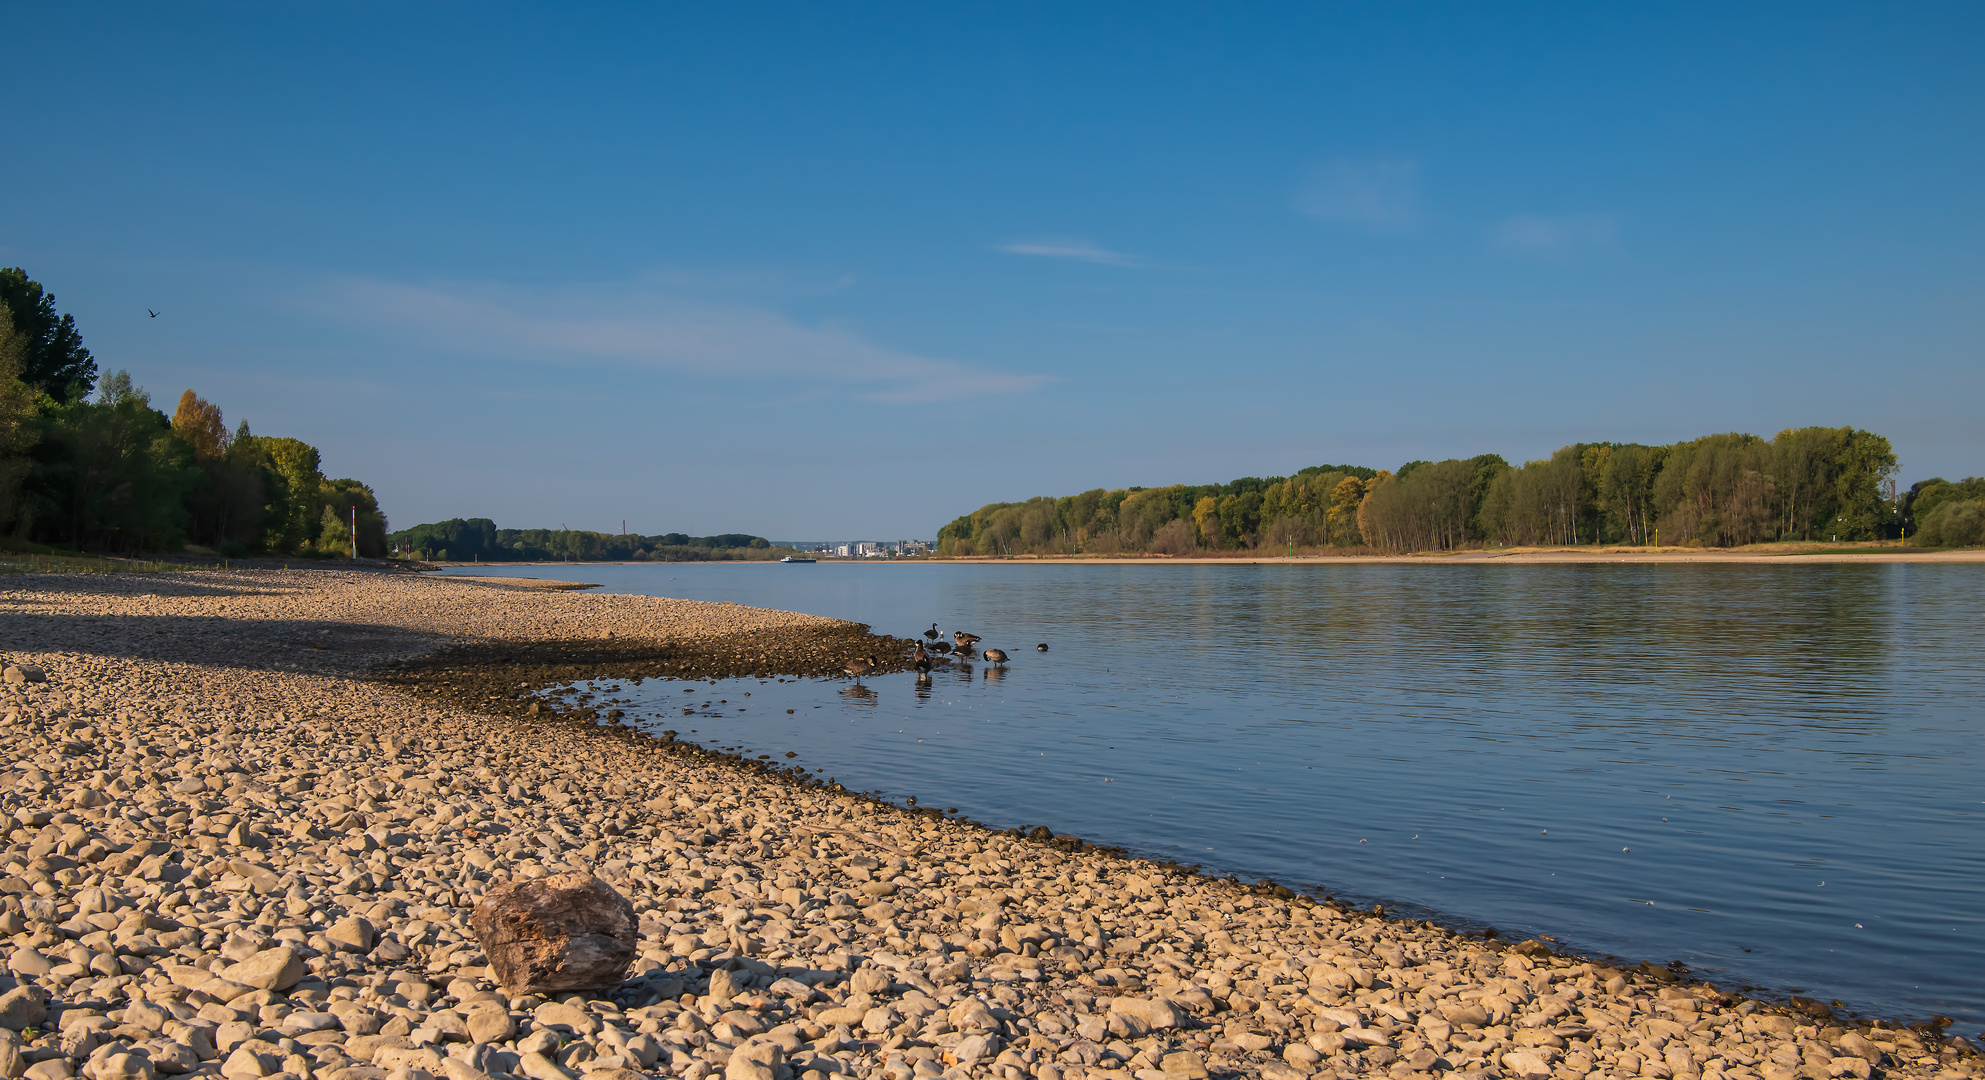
556, 934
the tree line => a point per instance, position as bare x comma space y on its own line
90, 464
1812, 483
479, 540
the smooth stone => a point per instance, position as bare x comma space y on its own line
279, 968
354, 933
125, 1067
23, 1007
52, 1069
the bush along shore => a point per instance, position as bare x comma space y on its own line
249, 818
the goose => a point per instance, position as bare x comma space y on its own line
964, 638
921, 661
932, 632
995, 656
859, 667
940, 647
1042, 647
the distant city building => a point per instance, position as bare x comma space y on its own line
872, 549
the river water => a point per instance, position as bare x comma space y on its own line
1773, 774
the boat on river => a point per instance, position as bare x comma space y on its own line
793, 559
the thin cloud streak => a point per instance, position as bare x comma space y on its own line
1539, 234
1078, 250
1376, 193
642, 327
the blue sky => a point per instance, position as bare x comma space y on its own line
840, 270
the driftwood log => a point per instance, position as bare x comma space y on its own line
556, 934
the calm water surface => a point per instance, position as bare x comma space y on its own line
1770, 773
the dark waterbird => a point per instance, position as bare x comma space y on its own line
859, 667
940, 647
932, 632
996, 656
1042, 647
152, 313
922, 662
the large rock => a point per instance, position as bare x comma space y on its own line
1156, 1014
51, 1069
570, 1017
556, 934
1857, 1045
1465, 1014
757, 1059
353, 934
126, 1067
491, 1025
722, 989
23, 1007
271, 969
29, 961
1527, 1063
169, 1056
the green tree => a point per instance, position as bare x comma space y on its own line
110, 475
293, 504
1424, 507
1624, 488
341, 499
1717, 491
1954, 523
1828, 482
54, 360
956, 537
1924, 500
17, 411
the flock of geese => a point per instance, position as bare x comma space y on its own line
961, 644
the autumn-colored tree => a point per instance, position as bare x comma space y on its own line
1345, 499
198, 421
1206, 521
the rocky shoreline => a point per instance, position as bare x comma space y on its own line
247, 815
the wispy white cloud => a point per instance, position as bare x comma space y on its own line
642, 326
1069, 248
1562, 234
1379, 193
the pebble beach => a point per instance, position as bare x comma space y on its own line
248, 815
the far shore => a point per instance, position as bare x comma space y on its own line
1767, 554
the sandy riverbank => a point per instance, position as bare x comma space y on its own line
250, 811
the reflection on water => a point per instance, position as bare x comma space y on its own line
1771, 773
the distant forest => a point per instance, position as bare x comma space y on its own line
1814, 483
479, 540
88, 463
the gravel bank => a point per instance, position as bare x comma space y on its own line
234, 847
